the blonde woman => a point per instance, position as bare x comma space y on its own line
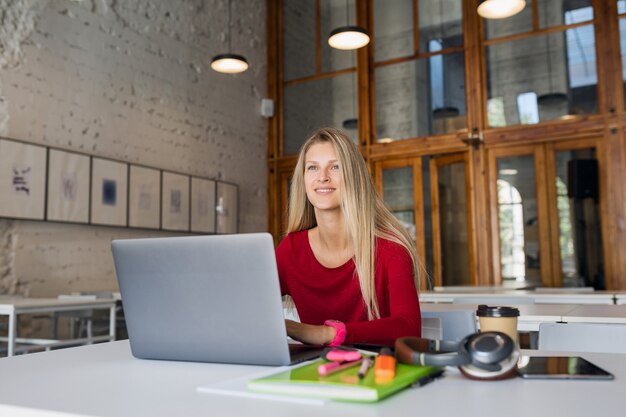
348, 264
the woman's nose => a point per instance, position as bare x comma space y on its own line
323, 177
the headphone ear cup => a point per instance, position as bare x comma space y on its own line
493, 356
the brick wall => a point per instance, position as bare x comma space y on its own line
128, 80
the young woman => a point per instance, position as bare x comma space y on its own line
348, 264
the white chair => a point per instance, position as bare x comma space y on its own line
583, 337
85, 319
431, 328
455, 324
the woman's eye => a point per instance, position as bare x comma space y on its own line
311, 168
335, 167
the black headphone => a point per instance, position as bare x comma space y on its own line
487, 355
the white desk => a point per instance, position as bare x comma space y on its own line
620, 297
105, 381
14, 306
531, 315
615, 314
518, 297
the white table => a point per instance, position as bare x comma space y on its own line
14, 306
615, 314
620, 297
531, 315
518, 297
104, 380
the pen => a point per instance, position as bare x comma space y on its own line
330, 368
365, 366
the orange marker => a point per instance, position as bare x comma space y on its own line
384, 367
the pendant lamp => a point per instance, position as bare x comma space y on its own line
348, 37
229, 63
500, 9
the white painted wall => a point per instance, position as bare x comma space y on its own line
128, 80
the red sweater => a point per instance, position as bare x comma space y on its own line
322, 293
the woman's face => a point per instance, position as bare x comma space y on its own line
322, 176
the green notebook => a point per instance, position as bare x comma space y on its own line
341, 386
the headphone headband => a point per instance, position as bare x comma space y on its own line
420, 351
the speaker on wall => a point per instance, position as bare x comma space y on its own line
582, 178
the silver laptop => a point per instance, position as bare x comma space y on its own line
206, 299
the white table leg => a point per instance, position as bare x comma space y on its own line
112, 323
12, 334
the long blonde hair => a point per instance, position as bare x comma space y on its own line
365, 213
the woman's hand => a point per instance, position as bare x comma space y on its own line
310, 334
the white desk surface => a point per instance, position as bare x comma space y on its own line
26, 304
615, 314
492, 296
620, 297
106, 381
549, 312
531, 315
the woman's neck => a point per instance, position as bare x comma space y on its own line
331, 231
330, 242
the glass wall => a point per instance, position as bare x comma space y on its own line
321, 102
419, 77
518, 220
563, 81
314, 94
580, 243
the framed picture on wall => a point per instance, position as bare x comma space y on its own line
144, 208
202, 205
109, 182
226, 208
68, 187
22, 180
175, 202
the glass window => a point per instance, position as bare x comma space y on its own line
398, 194
298, 39
495, 112
622, 37
428, 224
442, 20
510, 215
527, 108
334, 14
394, 26
564, 75
519, 23
580, 239
420, 98
312, 104
517, 201
393, 29
554, 13
453, 224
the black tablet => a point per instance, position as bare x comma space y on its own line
560, 367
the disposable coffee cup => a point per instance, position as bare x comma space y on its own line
498, 319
